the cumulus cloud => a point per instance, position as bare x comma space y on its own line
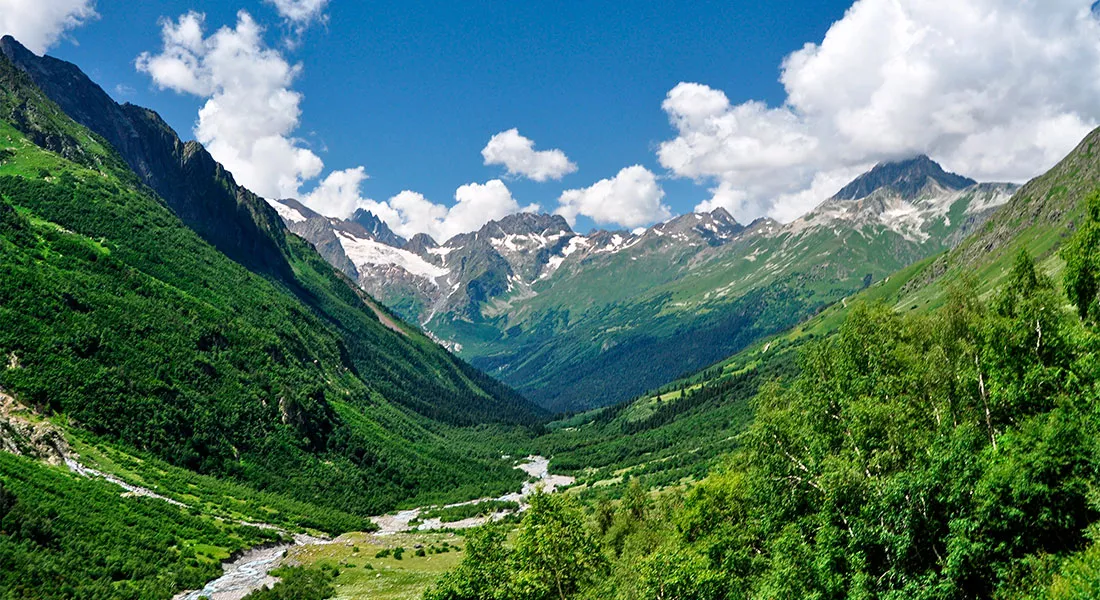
338, 194
630, 199
39, 24
300, 12
995, 89
410, 213
251, 111
517, 154
298, 16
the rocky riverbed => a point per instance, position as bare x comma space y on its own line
537, 467
252, 569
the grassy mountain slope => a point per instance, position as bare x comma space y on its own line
66, 537
115, 314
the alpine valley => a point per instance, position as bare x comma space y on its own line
580, 321
208, 394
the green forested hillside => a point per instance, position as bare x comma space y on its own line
117, 316
66, 537
1038, 220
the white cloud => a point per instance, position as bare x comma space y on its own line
995, 89
338, 194
517, 154
38, 24
251, 112
299, 15
630, 199
300, 12
410, 213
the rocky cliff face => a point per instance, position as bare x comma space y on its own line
198, 189
24, 434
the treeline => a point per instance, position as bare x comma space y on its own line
740, 385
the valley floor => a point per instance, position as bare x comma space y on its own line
365, 564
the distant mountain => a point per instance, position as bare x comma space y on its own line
576, 321
376, 228
907, 179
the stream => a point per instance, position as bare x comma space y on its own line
248, 573
537, 467
241, 577
252, 570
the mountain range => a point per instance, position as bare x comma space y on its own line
575, 320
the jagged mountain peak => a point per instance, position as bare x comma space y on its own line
12, 47
907, 178
421, 243
723, 215
378, 229
527, 223
715, 227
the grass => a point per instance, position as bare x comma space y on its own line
385, 578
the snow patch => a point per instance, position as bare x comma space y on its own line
575, 244
371, 253
287, 213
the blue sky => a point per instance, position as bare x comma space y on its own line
760, 108
414, 90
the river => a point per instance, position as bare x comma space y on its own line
252, 570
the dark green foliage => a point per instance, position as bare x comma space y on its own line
161, 330
741, 385
943, 456
298, 583
66, 537
924, 457
554, 555
1082, 255
681, 438
564, 371
485, 572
